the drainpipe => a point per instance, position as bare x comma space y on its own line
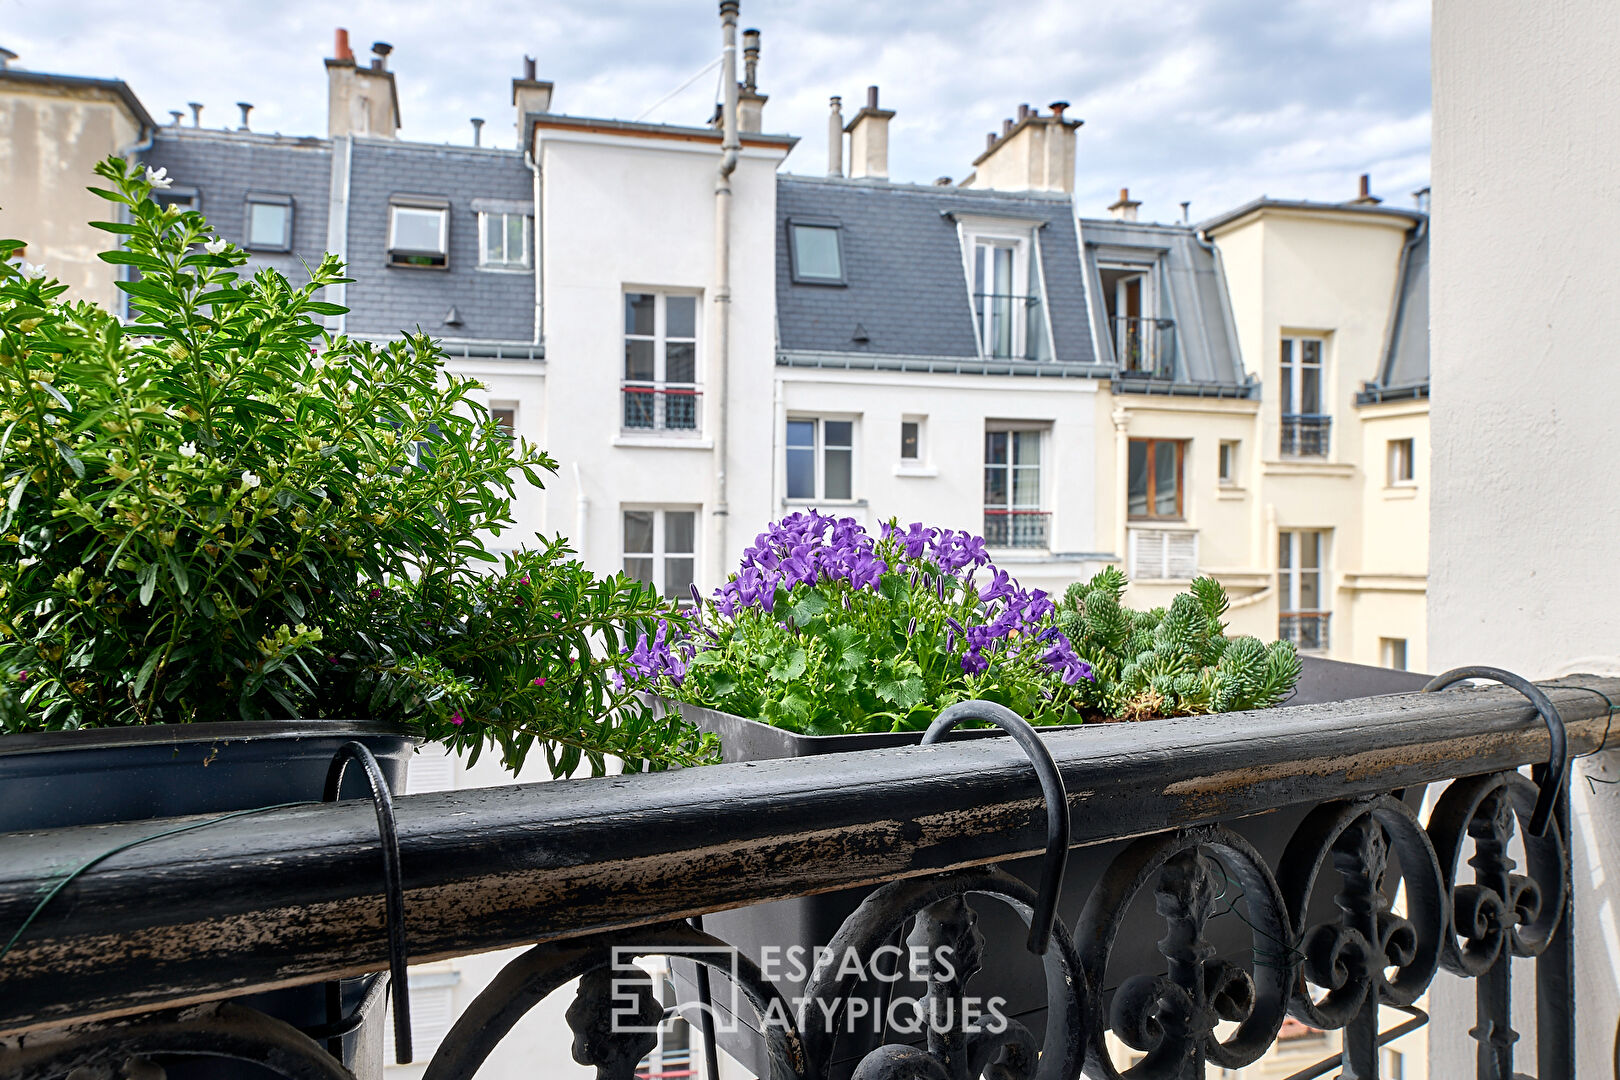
582, 514
730, 150
533, 163
1122, 478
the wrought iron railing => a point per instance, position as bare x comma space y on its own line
1007, 528
659, 407
1011, 327
1308, 630
1306, 435
1144, 347
129, 961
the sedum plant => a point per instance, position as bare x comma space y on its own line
221, 511
827, 630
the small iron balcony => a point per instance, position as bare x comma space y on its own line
1004, 528
1308, 630
658, 407
1145, 347
1306, 435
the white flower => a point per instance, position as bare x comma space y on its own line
158, 178
188, 450
250, 480
33, 270
214, 247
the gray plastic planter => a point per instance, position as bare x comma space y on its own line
1009, 971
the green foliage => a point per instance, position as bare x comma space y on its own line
223, 511
1169, 662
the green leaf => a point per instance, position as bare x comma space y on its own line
148, 580
320, 307
70, 457
177, 570
146, 671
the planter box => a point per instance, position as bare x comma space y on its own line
98, 776
1009, 970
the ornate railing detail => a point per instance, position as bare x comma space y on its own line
1466, 906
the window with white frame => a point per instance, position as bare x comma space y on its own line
1004, 278
503, 240
820, 458
1013, 516
1399, 455
1305, 425
269, 222
419, 231
911, 440
1392, 652
660, 362
1228, 463
816, 252
660, 548
1303, 614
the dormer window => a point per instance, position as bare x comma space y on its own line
1004, 278
419, 231
269, 222
1143, 339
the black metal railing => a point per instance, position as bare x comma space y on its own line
1308, 630
1011, 327
1144, 347
1006, 528
1306, 435
115, 972
658, 407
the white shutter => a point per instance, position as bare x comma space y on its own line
1163, 554
433, 1012
434, 769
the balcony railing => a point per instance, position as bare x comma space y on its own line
1011, 327
131, 958
1308, 630
1145, 347
659, 407
1306, 435
1004, 528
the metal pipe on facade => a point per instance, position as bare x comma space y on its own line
730, 152
835, 138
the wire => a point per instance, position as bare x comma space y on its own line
695, 77
74, 874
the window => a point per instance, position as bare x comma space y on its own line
671, 1055
505, 417
1154, 472
1305, 428
1144, 344
817, 252
419, 231
1228, 463
1004, 278
1303, 617
1392, 652
1012, 488
503, 240
269, 222
820, 459
660, 363
1400, 462
186, 198
433, 1010
911, 440
660, 548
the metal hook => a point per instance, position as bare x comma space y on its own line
1057, 803
1550, 777
394, 896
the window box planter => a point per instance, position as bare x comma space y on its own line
101, 775
1009, 970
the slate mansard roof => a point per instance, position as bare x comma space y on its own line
905, 280
1405, 371
224, 167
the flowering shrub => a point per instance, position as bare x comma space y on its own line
826, 630
224, 512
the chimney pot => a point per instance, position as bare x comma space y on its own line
246, 108
1057, 108
1006, 126
871, 97
1366, 185
729, 7
177, 114
1023, 113
196, 112
1186, 205
529, 69
1124, 209
1124, 194
835, 136
943, 181
340, 46
750, 58
478, 130
381, 49
989, 141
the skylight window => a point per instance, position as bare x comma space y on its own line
817, 252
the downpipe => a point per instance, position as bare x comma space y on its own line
730, 152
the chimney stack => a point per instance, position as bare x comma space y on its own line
1032, 153
1124, 208
478, 130
529, 95
360, 100
246, 108
196, 112
835, 137
1364, 195
750, 102
869, 139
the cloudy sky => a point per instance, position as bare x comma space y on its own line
1212, 101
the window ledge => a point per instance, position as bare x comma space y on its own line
1230, 492
809, 503
482, 269
665, 442
1309, 467
915, 470
1170, 524
1400, 491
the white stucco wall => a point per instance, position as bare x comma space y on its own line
1526, 310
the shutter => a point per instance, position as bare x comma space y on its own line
1164, 554
433, 1012
434, 769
